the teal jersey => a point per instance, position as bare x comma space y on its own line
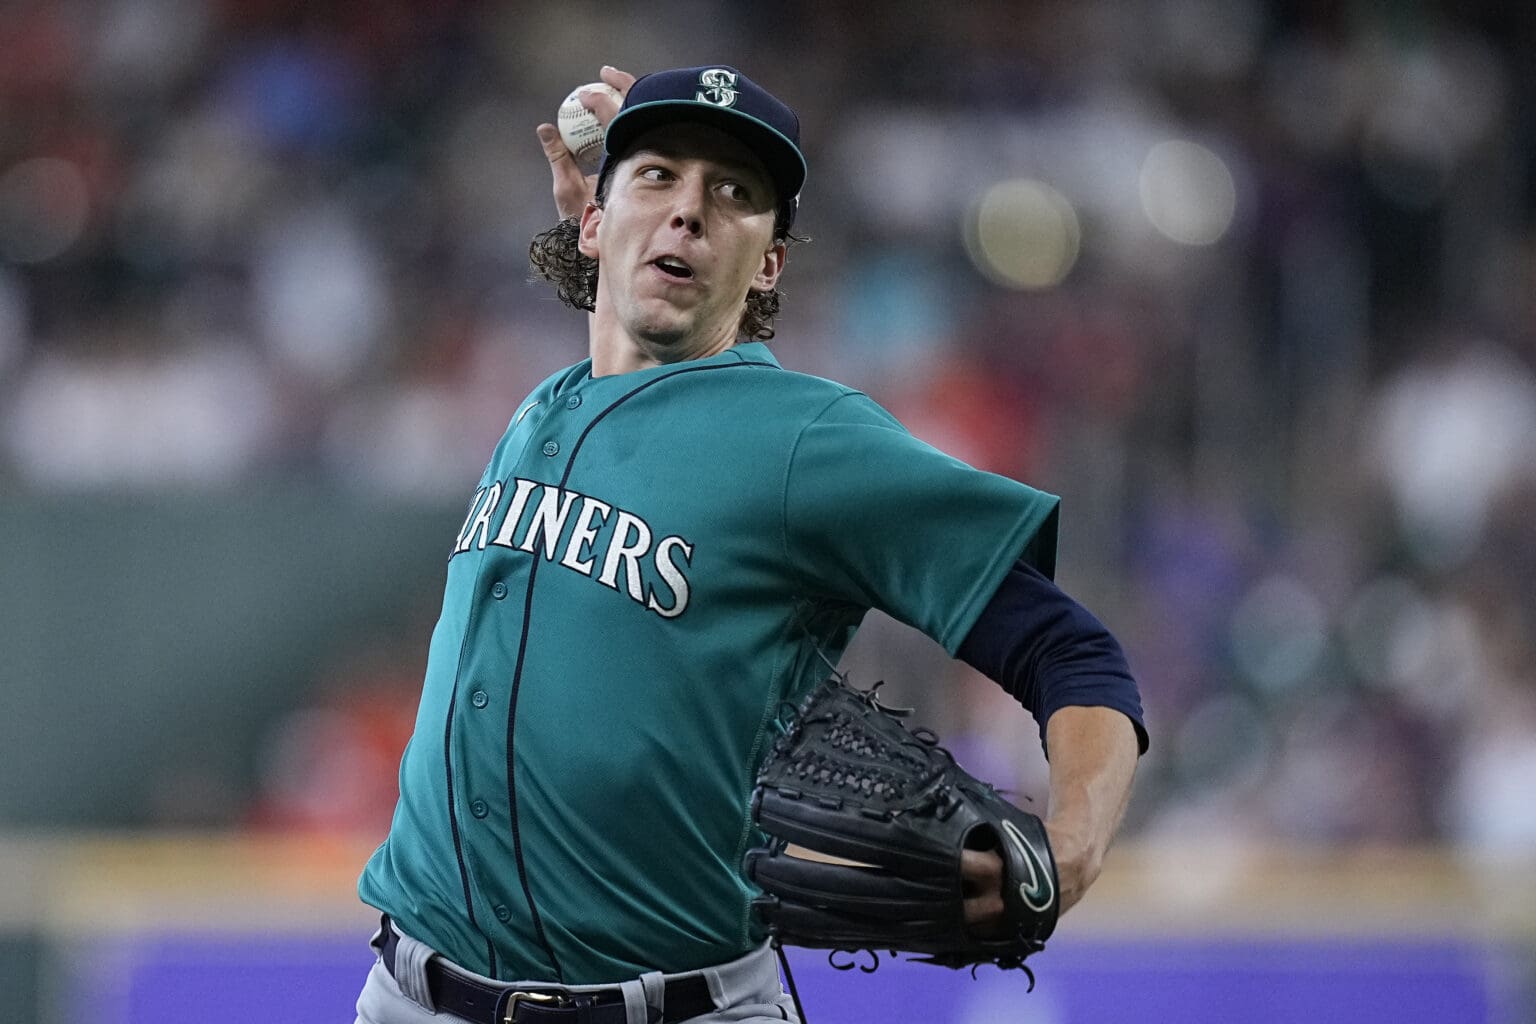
642, 579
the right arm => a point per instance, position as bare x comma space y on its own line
574, 190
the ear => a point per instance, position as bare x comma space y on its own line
773, 265
586, 239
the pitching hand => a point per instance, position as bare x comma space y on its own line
574, 190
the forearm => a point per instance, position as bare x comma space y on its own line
1065, 667
1093, 760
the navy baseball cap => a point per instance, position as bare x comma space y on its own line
724, 98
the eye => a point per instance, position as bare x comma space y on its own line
736, 191
655, 173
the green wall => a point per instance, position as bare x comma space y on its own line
147, 643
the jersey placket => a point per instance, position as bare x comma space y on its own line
559, 429
506, 581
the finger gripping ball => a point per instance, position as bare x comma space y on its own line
580, 129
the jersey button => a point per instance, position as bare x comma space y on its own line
498, 590
502, 913
479, 809
479, 699
574, 402
551, 448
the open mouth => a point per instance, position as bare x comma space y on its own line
674, 267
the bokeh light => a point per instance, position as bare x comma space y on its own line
1187, 192
1023, 234
1225, 737
1279, 631
44, 204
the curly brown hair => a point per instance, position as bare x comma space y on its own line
555, 258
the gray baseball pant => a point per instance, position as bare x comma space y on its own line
745, 990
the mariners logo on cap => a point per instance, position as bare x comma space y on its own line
717, 86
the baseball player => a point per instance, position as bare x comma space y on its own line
668, 544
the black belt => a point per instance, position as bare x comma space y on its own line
684, 998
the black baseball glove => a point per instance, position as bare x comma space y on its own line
848, 779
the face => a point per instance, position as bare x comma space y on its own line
685, 233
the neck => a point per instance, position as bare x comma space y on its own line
615, 349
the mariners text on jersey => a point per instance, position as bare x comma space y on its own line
604, 542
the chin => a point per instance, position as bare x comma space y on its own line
665, 326
661, 334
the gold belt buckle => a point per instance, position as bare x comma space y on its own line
530, 997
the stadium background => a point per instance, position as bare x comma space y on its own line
1252, 286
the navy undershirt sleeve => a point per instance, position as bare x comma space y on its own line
1050, 652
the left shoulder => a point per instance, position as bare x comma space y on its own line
807, 393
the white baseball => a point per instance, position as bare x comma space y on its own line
580, 128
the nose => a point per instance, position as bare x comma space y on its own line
688, 213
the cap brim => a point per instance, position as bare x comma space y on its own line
785, 164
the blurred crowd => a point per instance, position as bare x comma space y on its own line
1280, 362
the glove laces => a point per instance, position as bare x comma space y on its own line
789, 979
